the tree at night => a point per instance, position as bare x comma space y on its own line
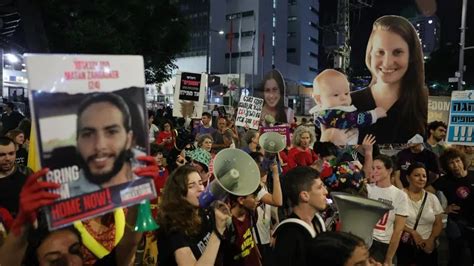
152, 28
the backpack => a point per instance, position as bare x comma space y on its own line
310, 229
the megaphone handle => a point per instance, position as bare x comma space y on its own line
206, 198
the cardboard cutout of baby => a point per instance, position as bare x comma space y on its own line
334, 111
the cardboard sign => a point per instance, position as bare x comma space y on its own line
282, 129
438, 108
89, 114
461, 118
248, 114
190, 86
189, 94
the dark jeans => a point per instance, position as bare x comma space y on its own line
378, 250
266, 253
460, 236
421, 258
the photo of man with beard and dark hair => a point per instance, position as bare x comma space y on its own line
104, 139
91, 141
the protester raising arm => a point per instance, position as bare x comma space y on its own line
368, 146
33, 196
275, 198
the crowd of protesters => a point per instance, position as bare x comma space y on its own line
283, 222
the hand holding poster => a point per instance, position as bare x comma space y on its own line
189, 94
248, 114
461, 118
282, 129
89, 114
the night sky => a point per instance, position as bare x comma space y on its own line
448, 11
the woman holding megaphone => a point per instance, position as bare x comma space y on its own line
188, 235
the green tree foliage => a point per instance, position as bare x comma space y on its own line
152, 28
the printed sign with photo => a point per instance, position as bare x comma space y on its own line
89, 114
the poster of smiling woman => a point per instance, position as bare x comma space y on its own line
89, 115
273, 90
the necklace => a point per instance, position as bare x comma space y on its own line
92, 244
415, 196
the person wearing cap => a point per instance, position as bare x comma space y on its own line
199, 159
415, 153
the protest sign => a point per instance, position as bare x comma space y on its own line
89, 114
438, 108
248, 114
189, 94
461, 118
282, 129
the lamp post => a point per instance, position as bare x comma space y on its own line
208, 57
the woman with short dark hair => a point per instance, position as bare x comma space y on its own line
389, 228
167, 136
339, 249
418, 245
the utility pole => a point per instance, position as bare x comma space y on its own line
208, 48
342, 29
342, 53
461, 45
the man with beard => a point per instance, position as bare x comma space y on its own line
436, 134
104, 140
12, 177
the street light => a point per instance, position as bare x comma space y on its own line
220, 32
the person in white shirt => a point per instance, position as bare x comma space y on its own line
153, 130
429, 224
389, 228
267, 208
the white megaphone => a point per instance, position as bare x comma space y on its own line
359, 215
236, 173
272, 142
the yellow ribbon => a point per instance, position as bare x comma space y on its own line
91, 243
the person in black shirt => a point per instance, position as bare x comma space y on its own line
188, 234
12, 176
60, 247
415, 153
458, 187
21, 153
307, 195
395, 59
10, 118
340, 249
